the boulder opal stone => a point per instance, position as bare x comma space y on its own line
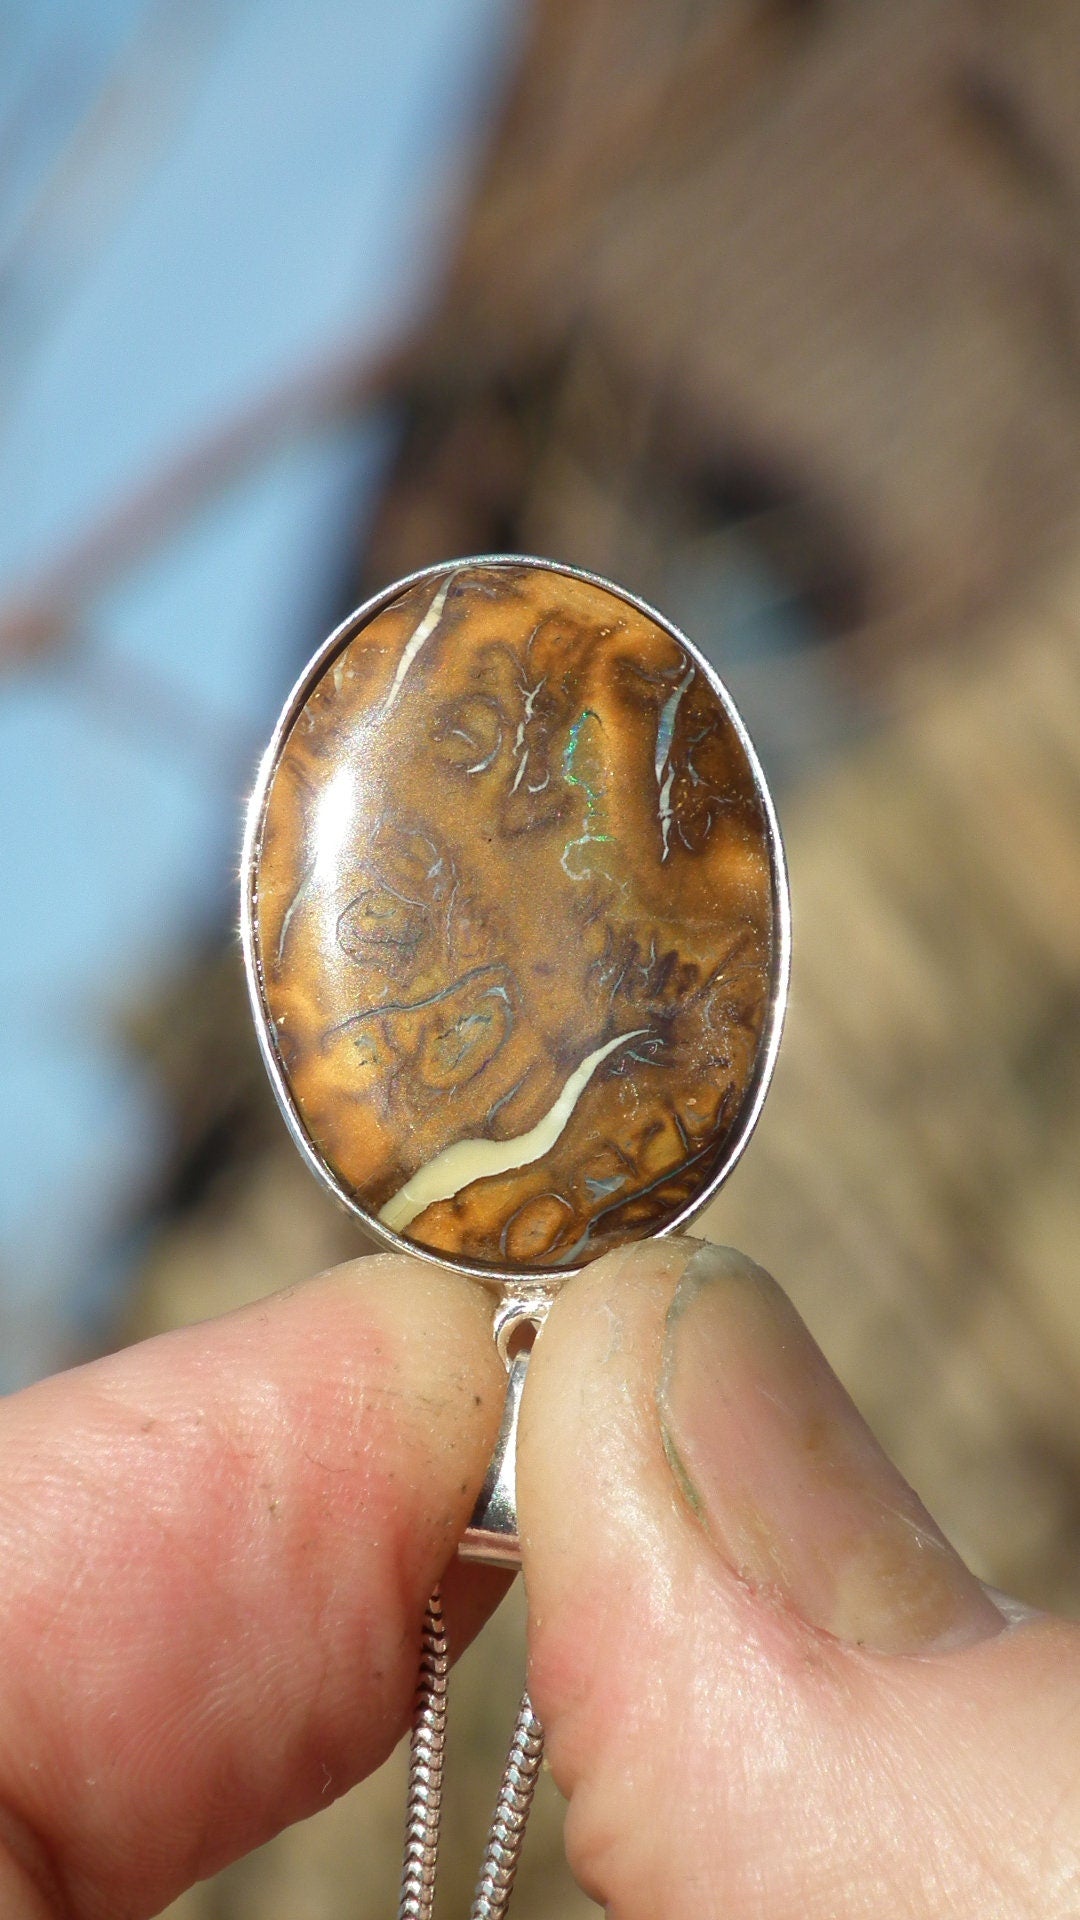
513, 918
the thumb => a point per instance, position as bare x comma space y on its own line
769, 1684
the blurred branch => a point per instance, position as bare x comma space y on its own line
44, 612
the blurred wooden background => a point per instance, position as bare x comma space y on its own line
775, 298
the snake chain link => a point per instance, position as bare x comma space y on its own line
426, 1759
503, 1850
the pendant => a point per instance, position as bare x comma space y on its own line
517, 936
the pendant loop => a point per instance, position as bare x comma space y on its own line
491, 1538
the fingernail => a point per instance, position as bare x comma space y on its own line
787, 1478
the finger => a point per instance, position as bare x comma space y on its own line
215, 1550
769, 1684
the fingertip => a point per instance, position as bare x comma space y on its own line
602, 1526
589, 1438
217, 1550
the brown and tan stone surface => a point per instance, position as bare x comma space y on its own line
514, 918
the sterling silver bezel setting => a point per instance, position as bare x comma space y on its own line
541, 1280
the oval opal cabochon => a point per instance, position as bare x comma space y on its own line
513, 919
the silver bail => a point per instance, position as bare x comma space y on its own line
491, 1536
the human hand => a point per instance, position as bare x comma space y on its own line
218, 1547
215, 1552
770, 1688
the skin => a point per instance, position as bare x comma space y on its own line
215, 1550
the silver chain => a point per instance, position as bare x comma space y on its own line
503, 1850
427, 1750
426, 1758
490, 1539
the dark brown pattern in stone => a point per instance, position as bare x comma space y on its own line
513, 919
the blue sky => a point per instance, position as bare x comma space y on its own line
195, 201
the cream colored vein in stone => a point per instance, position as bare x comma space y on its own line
422, 633
468, 1160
